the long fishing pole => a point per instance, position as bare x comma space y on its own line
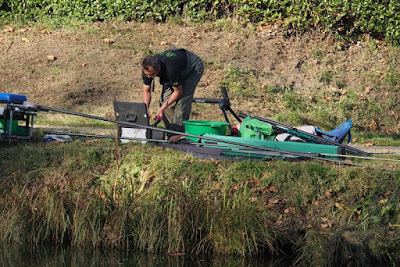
34, 106
360, 157
221, 147
108, 137
192, 144
305, 135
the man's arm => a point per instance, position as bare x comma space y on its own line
147, 96
173, 98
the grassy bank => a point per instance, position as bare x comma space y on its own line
97, 194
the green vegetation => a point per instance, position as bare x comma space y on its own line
98, 194
330, 103
347, 19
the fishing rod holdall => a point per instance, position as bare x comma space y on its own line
134, 113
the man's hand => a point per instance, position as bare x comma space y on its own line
158, 116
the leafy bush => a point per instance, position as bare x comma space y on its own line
348, 19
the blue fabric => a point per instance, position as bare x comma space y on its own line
12, 98
339, 133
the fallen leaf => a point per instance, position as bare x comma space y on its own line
383, 201
45, 31
271, 188
230, 43
328, 193
369, 144
108, 41
51, 58
25, 40
8, 29
357, 214
388, 193
340, 206
194, 35
253, 199
373, 125
273, 201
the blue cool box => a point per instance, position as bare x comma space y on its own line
12, 98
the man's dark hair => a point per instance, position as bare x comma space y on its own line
150, 61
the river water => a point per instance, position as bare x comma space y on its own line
24, 255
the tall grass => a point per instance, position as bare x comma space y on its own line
142, 197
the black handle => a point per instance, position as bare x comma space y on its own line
224, 93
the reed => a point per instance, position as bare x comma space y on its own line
162, 201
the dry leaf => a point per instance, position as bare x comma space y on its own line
383, 201
25, 40
271, 188
357, 214
8, 29
388, 193
108, 41
273, 201
253, 199
45, 31
340, 206
369, 144
230, 43
326, 223
194, 35
328, 193
51, 58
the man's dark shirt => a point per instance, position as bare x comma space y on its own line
173, 64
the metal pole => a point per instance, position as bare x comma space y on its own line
308, 136
281, 152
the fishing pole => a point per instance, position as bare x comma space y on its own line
221, 148
108, 137
307, 136
34, 106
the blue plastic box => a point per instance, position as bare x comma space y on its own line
12, 98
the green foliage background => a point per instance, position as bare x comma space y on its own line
348, 19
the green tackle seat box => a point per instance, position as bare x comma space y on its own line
255, 129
